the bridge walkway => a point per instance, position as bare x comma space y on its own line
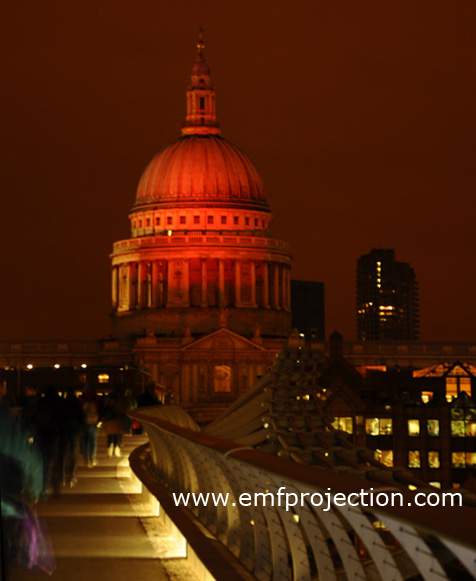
101, 529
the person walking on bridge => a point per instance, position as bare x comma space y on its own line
90, 405
113, 415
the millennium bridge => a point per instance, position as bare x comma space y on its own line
298, 501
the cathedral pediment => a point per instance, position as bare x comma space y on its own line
223, 340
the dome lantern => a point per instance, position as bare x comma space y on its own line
201, 116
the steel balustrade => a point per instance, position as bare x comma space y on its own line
304, 542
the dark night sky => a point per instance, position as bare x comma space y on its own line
359, 115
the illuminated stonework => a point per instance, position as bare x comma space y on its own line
201, 258
201, 239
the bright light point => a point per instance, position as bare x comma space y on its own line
169, 232
83, 365
29, 366
57, 366
296, 517
252, 523
301, 334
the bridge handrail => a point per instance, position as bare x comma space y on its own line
185, 460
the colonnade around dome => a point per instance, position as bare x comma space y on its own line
201, 282
200, 275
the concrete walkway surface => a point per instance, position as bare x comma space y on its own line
100, 530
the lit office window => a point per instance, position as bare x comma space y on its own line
471, 459
457, 428
384, 456
465, 385
451, 388
456, 384
413, 427
433, 427
458, 459
470, 429
343, 423
103, 378
433, 459
378, 426
461, 429
414, 460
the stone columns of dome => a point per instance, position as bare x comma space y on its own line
253, 284
148, 285
115, 293
123, 288
162, 287
265, 285
140, 285
237, 283
276, 286
178, 283
221, 282
132, 285
154, 281
204, 300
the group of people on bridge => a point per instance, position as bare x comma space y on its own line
43, 432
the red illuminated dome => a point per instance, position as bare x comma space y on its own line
201, 257
201, 169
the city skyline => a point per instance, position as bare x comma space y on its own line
360, 120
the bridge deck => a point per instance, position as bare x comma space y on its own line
99, 529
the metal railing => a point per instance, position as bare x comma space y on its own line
336, 540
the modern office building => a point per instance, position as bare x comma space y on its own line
387, 298
422, 420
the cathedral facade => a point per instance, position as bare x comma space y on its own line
201, 286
